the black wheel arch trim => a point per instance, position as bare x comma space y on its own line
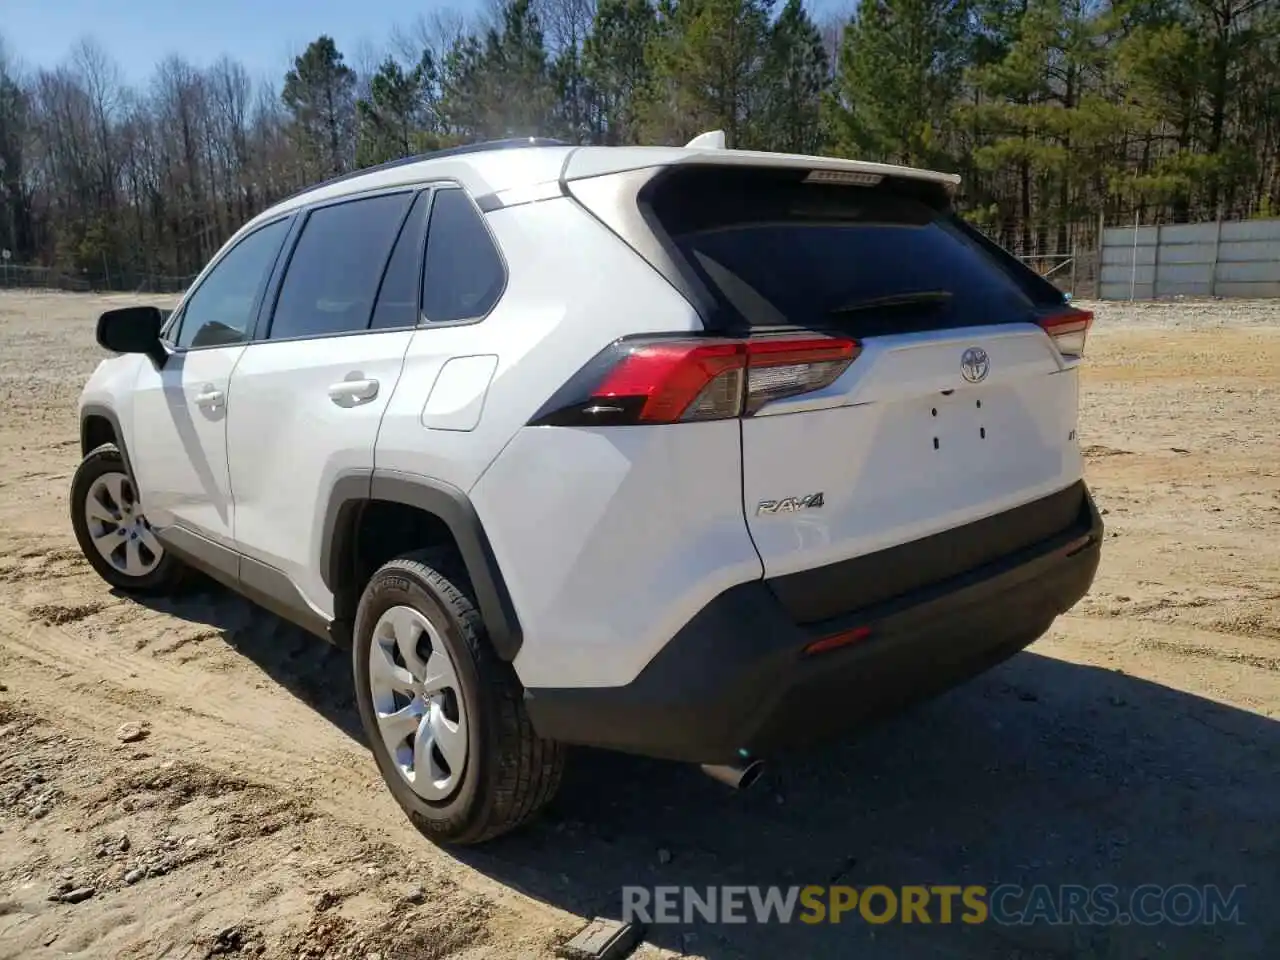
353, 489
87, 413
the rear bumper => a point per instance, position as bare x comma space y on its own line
735, 678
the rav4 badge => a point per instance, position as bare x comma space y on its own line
790, 504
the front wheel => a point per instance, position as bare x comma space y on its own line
112, 529
443, 714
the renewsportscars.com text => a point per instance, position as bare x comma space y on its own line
1149, 904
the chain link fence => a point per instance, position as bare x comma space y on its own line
26, 277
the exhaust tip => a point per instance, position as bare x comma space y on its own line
737, 776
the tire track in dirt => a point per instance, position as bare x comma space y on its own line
1132, 744
247, 727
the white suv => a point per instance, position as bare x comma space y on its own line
691, 452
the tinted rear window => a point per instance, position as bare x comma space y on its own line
867, 260
336, 266
463, 275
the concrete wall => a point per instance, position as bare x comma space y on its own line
1237, 259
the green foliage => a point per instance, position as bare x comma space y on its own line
319, 93
1054, 112
399, 117
900, 67
616, 66
708, 70
500, 86
795, 78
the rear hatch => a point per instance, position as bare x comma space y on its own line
939, 388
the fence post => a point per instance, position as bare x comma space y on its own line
1155, 264
1074, 261
1133, 269
1101, 249
1213, 266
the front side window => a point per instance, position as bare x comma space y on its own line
336, 267
463, 276
220, 311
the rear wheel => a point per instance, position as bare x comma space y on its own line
112, 529
445, 716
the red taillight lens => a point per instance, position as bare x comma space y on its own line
670, 381
679, 380
1069, 330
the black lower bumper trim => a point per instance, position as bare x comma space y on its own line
736, 677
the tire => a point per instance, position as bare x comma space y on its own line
509, 773
159, 572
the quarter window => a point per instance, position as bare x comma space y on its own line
463, 276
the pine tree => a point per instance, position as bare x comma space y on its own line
707, 63
899, 73
501, 86
320, 94
616, 68
795, 79
397, 119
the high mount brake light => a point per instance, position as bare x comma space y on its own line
688, 379
1068, 329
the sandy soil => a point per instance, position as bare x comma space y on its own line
1136, 743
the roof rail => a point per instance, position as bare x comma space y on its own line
483, 146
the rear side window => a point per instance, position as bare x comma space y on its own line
220, 311
463, 276
398, 298
336, 267
865, 260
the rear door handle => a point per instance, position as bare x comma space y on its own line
348, 393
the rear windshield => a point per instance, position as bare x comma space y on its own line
777, 251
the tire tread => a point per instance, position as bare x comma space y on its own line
529, 769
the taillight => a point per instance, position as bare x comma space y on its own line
689, 379
1068, 330
785, 368
676, 380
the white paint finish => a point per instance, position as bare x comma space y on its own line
599, 161
111, 386
457, 396
479, 173
560, 308
611, 540
288, 442
867, 445
178, 442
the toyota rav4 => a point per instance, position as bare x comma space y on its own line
696, 453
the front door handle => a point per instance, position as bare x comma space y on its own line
209, 396
348, 393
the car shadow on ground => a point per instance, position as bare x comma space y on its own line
316, 672
1039, 772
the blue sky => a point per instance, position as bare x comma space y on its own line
264, 35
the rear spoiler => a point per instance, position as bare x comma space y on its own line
707, 149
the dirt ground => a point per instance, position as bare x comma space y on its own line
1136, 743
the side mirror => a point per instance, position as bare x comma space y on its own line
133, 330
